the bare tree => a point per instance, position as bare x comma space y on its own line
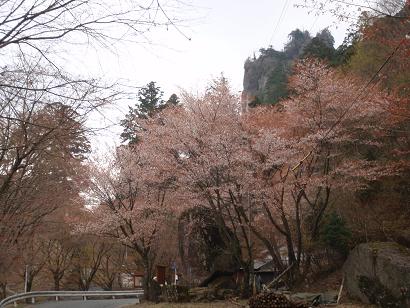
31, 260
87, 261
36, 24
111, 267
60, 253
351, 10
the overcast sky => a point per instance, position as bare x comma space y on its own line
223, 34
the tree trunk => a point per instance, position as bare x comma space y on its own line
56, 283
3, 292
110, 284
29, 286
147, 279
246, 286
29, 283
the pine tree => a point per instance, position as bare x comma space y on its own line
321, 46
149, 103
335, 234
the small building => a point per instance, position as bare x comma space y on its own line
264, 271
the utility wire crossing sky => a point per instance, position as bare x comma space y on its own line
222, 35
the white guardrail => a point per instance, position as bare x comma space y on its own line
57, 295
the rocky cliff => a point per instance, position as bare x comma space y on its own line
266, 76
379, 273
260, 75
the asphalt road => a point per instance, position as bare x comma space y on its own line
108, 303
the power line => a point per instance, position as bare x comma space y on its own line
375, 75
282, 14
355, 100
314, 23
317, 18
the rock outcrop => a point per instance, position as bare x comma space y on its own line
265, 77
379, 273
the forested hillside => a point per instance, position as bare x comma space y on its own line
376, 55
302, 184
362, 52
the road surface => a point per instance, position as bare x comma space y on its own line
103, 303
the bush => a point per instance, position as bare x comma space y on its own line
336, 235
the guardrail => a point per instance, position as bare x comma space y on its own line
61, 294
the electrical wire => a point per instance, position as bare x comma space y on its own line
282, 14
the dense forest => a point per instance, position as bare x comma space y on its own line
210, 192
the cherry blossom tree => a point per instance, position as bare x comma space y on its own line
130, 208
330, 138
270, 176
202, 145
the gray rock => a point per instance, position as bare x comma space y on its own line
387, 264
259, 70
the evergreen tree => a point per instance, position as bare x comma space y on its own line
321, 46
149, 102
297, 42
326, 38
276, 87
335, 234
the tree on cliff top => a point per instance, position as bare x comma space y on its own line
297, 42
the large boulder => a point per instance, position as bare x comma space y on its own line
379, 273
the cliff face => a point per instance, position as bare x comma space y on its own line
266, 76
259, 74
379, 273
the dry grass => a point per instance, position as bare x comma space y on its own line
216, 304
355, 306
220, 304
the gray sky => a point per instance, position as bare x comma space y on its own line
224, 33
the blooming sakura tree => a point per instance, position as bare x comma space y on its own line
130, 208
270, 173
273, 172
267, 178
203, 146
59, 258
330, 138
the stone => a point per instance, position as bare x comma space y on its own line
379, 273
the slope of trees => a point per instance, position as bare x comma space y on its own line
284, 169
378, 28
43, 110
